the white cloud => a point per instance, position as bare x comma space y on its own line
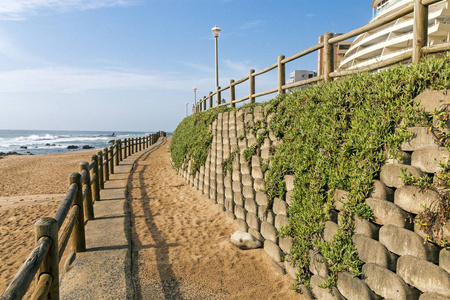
199, 67
21, 9
77, 80
237, 68
251, 24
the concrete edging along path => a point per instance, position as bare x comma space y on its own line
104, 270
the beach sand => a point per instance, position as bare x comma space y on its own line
31, 187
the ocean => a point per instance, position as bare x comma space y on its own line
56, 141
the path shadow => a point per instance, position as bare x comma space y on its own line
170, 284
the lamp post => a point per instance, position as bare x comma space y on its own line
216, 32
195, 96
187, 108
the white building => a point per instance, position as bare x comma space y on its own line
299, 75
395, 38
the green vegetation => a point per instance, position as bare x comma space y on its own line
335, 136
193, 137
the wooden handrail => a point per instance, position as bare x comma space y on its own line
436, 48
430, 2
67, 231
383, 64
373, 25
303, 53
304, 82
274, 66
64, 208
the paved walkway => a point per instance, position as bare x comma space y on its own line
165, 240
104, 270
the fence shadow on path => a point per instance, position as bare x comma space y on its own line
169, 283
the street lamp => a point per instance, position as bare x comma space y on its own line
195, 96
216, 32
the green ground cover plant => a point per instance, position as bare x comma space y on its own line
335, 136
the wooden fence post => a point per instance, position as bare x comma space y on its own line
120, 150
204, 103
420, 29
140, 143
281, 75
111, 160
101, 177
136, 140
328, 57
106, 155
117, 153
96, 185
232, 93
88, 207
49, 227
124, 148
78, 234
210, 100
251, 81
218, 100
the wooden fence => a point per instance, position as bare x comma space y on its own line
420, 35
51, 237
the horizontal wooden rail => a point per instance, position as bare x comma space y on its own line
91, 165
303, 82
265, 93
373, 25
436, 48
67, 231
64, 208
43, 287
272, 67
241, 100
303, 53
382, 64
430, 2
224, 88
241, 80
20, 283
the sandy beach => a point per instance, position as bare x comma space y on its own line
31, 187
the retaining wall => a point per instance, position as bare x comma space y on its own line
398, 264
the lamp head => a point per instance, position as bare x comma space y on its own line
215, 31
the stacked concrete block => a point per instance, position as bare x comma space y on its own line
206, 175
226, 135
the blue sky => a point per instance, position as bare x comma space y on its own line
131, 64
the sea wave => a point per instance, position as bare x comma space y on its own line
55, 142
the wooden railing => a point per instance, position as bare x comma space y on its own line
51, 237
420, 35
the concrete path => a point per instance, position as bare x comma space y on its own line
103, 271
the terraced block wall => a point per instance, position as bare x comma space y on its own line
398, 264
